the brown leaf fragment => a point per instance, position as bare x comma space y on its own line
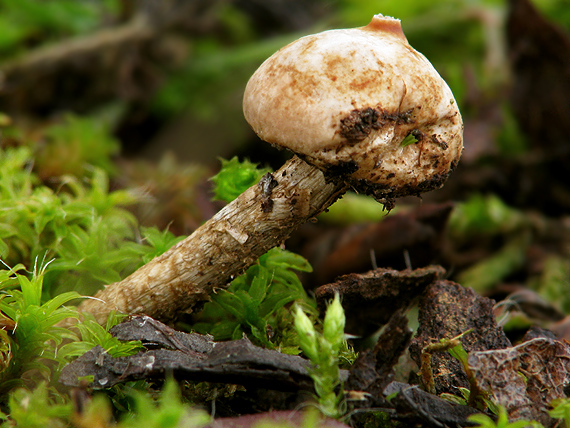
190, 356
370, 299
447, 310
535, 332
526, 378
546, 365
373, 370
420, 407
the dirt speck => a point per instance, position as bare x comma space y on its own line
359, 123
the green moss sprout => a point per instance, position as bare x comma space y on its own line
235, 177
256, 303
40, 407
502, 421
81, 224
323, 350
29, 325
561, 410
169, 412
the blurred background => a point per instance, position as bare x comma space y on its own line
150, 91
168, 76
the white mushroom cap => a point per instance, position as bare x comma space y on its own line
345, 100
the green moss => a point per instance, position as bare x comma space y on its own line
235, 177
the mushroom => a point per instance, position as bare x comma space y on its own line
360, 108
351, 101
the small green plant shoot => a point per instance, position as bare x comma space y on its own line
323, 350
255, 303
485, 421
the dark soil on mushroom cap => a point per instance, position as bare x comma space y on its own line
386, 194
359, 123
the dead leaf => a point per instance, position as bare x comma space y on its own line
526, 378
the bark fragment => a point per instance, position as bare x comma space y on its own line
446, 310
190, 356
370, 299
373, 370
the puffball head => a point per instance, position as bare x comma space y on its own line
362, 105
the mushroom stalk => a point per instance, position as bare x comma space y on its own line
261, 218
